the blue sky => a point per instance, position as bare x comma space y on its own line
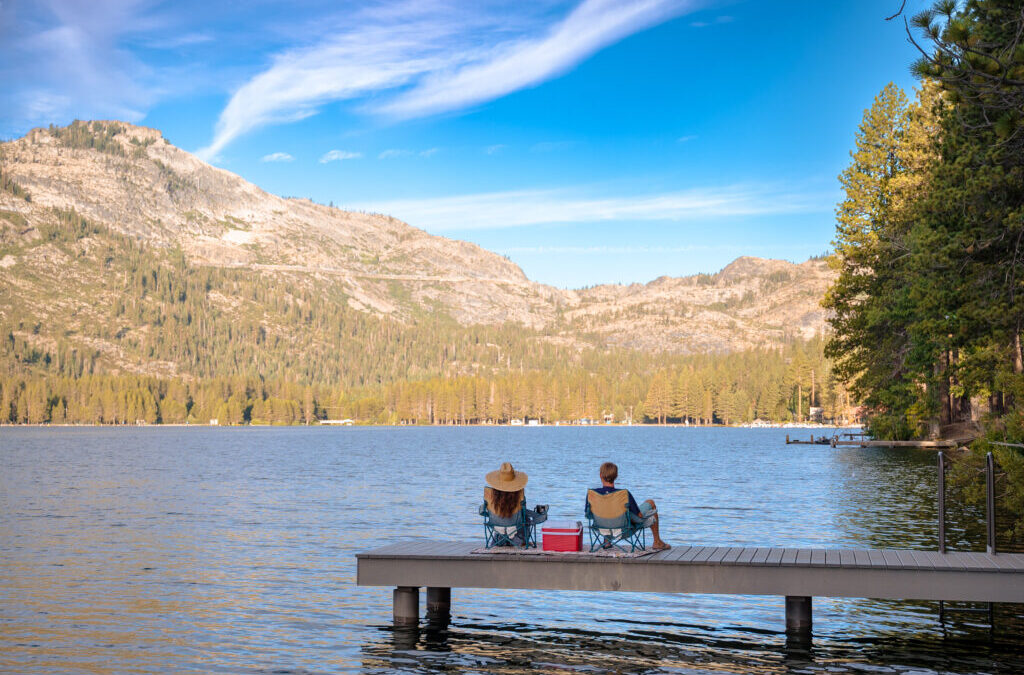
589, 141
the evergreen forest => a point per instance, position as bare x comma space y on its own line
928, 305
196, 343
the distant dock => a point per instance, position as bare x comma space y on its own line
861, 441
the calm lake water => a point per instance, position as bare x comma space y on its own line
231, 550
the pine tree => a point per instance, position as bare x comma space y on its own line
871, 299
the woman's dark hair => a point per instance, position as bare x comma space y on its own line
506, 504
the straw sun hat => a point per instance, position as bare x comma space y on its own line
507, 479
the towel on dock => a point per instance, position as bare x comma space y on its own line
603, 553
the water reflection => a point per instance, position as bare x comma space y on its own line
231, 550
676, 648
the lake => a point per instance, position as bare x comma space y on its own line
231, 551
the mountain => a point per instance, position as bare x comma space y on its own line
122, 252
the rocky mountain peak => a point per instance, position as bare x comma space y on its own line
130, 179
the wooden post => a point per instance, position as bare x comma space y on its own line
406, 606
798, 614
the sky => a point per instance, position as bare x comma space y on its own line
589, 141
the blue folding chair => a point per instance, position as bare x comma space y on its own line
517, 530
610, 522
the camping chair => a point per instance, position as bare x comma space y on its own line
500, 531
610, 522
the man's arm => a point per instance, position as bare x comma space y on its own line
633, 508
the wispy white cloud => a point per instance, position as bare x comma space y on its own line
685, 139
494, 149
429, 152
745, 248
717, 20
419, 59
61, 57
593, 25
339, 155
617, 250
277, 157
182, 40
393, 153
344, 67
495, 210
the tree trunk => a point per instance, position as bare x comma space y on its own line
1018, 355
811, 402
995, 403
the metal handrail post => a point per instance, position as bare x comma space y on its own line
942, 502
990, 501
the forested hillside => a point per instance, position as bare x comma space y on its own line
120, 331
140, 284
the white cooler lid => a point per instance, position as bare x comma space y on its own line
569, 525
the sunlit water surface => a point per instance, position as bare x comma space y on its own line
232, 550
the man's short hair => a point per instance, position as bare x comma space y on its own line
609, 472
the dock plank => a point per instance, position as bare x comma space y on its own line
704, 554
941, 561
676, 553
978, 561
692, 553
875, 556
921, 561
732, 555
906, 559
892, 561
746, 556
1000, 562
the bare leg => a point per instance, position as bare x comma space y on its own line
658, 545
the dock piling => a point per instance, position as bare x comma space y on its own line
798, 614
439, 605
406, 605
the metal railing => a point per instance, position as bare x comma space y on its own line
990, 503
990, 530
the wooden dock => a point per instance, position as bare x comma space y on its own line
797, 573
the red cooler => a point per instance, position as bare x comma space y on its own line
562, 535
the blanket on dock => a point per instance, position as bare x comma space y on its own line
602, 553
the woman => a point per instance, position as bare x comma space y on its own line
504, 499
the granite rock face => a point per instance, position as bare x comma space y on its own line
138, 184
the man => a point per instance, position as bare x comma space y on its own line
648, 510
